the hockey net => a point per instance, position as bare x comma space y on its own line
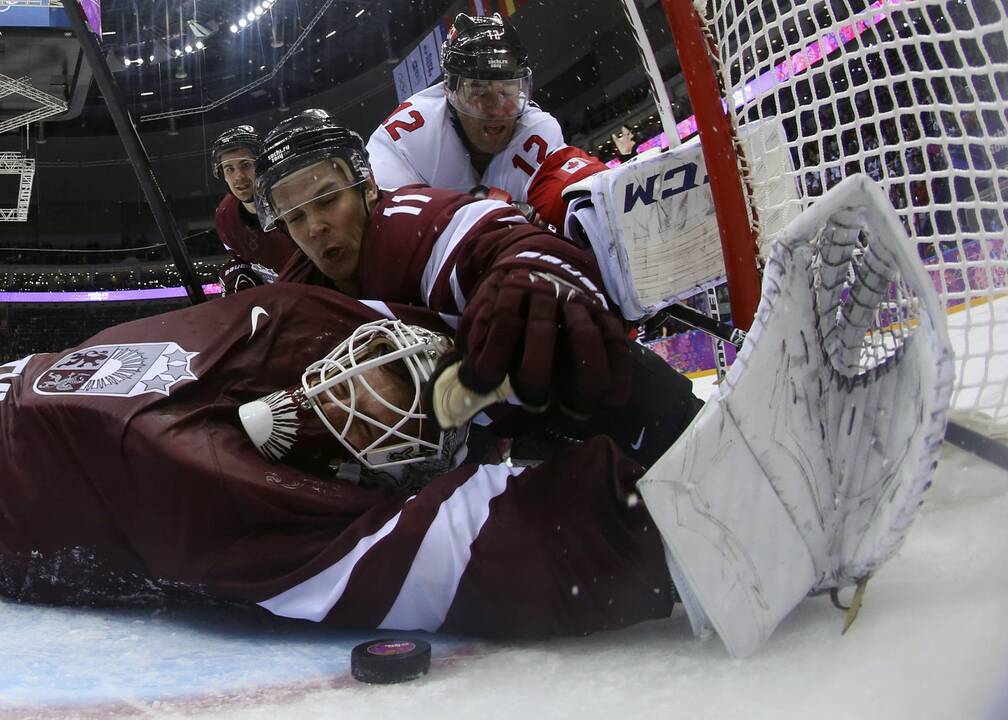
914, 94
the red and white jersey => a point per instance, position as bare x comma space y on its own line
429, 246
125, 474
417, 144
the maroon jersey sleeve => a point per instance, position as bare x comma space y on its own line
266, 252
123, 468
432, 246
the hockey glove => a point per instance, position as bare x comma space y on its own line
238, 276
526, 210
554, 340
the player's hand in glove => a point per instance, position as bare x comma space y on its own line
526, 210
552, 340
238, 276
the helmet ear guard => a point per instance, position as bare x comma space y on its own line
337, 398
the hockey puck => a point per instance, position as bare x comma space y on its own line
390, 660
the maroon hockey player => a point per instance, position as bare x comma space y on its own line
256, 256
529, 300
126, 473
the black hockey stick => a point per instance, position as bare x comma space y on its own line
699, 321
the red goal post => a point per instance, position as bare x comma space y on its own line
913, 93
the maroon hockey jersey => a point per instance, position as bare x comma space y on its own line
124, 471
431, 247
245, 241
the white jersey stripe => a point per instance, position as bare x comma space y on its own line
316, 596
461, 223
415, 196
429, 588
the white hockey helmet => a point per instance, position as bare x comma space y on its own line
401, 442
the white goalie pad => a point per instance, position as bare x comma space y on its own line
807, 466
652, 226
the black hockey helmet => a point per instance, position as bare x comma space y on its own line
243, 136
298, 143
484, 47
486, 68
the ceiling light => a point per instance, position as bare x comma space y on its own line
188, 48
258, 10
127, 62
177, 52
145, 94
250, 16
331, 33
185, 87
151, 58
234, 28
109, 32
359, 13
200, 45
138, 61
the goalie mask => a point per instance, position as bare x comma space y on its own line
366, 394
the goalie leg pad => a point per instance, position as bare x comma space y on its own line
807, 466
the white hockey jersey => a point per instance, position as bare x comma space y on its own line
417, 144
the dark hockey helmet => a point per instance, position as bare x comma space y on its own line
243, 136
484, 47
299, 143
486, 67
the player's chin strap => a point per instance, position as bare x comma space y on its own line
805, 469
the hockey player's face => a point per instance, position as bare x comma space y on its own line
489, 110
488, 136
238, 169
327, 218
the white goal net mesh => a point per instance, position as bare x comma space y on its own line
913, 93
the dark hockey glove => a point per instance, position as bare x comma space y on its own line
550, 337
526, 210
238, 276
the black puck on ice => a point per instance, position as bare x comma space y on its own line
390, 660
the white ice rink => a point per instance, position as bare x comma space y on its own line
931, 642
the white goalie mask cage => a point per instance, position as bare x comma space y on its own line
402, 436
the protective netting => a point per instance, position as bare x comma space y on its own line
913, 93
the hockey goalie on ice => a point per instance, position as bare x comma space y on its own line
188, 455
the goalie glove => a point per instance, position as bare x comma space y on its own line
551, 338
238, 276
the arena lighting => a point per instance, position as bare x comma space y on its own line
188, 48
359, 13
200, 45
146, 93
234, 28
242, 22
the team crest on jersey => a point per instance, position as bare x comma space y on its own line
118, 370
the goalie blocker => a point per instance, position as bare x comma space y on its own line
804, 471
